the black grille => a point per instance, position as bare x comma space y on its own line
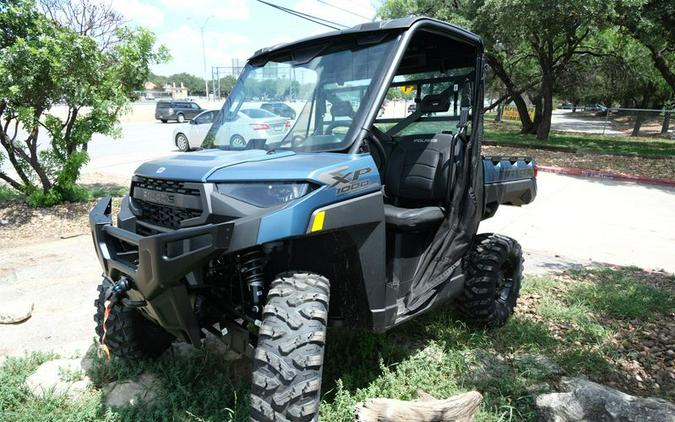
164, 215
165, 186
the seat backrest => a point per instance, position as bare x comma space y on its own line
417, 171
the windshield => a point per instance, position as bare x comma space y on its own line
318, 93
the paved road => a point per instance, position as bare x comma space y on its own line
594, 220
566, 121
139, 142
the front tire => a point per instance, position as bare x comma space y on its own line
494, 277
129, 335
180, 118
289, 355
182, 142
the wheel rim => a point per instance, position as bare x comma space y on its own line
182, 143
181, 119
505, 282
237, 141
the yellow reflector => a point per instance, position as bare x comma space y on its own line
317, 224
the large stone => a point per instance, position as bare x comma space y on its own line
60, 376
15, 311
130, 393
583, 400
486, 367
536, 366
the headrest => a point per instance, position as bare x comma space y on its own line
434, 103
342, 109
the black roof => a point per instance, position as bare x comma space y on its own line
400, 25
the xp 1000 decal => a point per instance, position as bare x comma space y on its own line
345, 180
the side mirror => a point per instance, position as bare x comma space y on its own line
193, 122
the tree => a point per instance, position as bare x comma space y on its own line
86, 17
194, 84
226, 84
44, 64
553, 33
515, 71
652, 23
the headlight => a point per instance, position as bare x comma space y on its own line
265, 195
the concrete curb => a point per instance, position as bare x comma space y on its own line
569, 171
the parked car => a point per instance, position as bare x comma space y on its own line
280, 109
252, 123
595, 107
566, 106
188, 136
177, 110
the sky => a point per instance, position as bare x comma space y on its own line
232, 28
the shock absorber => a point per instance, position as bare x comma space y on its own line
251, 267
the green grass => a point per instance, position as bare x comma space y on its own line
584, 143
571, 319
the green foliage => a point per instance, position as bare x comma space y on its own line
48, 70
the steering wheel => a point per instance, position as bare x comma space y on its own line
337, 123
378, 152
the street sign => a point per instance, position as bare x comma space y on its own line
407, 89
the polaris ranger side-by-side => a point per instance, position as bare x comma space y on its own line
350, 219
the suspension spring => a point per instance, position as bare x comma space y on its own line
251, 267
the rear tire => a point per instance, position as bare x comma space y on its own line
129, 335
164, 120
289, 356
494, 277
237, 141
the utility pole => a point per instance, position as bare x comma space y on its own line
206, 81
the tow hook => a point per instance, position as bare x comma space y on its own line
113, 295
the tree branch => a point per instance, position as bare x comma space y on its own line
13, 183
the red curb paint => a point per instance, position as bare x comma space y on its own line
607, 176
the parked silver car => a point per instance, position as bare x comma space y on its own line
187, 136
252, 123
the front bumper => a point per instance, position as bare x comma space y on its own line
157, 264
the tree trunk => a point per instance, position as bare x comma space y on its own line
536, 101
639, 117
666, 123
524, 114
547, 107
517, 97
500, 110
459, 408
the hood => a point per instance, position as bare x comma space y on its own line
198, 166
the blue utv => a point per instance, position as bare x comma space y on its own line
338, 217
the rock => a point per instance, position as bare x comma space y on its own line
15, 311
130, 393
210, 344
486, 367
60, 376
583, 400
536, 366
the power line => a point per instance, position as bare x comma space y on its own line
344, 10
315, 19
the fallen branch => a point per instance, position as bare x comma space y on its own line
459, 408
